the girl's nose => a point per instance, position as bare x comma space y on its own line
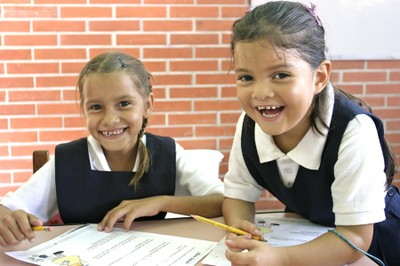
262, 91
110, 117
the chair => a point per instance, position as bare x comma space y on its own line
39, 158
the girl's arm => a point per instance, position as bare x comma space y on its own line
327, 249
207, 205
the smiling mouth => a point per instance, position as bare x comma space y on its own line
271, 111
112, 133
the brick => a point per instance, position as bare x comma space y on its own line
58, 26
230, 118
61, 2
15, 54
194, 11
18, 136
172, 131
193, 92
58, 108
16, 82
393, 100
214, 25
141, 12
22, 177
36, 95
36, 122
383, 88
20, 11
4, 151
141, 39
348, 64
27, 150
15, 164
115, 1
383, 64
14, 26
214, 79
194, 65
222, 2
172, 79
394, 76
5, 178
153, 66
228, 92
167, 25
61, 53
217, 105
188, 2
193, 119
233, 12
214, 131
72, 67
32, 68
61, 135
30, 40
114, 25
74, 122
213, 52
135, 52
55, 81
85, 39
198, 143
172, 106
393, 125
366, 76
85, 12
194, 39
387, 113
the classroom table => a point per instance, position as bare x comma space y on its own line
184, 227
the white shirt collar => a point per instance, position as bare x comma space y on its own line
97, 158
309, 150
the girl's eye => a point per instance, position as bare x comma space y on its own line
281, 76
245, 78
95, 107
124, 104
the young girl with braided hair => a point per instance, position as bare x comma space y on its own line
119, 171
313, 146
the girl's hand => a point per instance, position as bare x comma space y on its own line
16, 226
129, 210
245, 226
246, 251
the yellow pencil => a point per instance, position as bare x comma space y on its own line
41, 228
226, 227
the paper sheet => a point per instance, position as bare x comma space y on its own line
86, 246
277, 231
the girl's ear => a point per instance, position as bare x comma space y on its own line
149, 105
322, 75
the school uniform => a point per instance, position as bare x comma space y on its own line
337, 187
38, 195
87, 195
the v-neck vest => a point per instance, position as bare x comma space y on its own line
85, 195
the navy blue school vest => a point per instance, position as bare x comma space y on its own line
310, 196
85, 195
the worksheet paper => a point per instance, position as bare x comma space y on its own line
86, 246
277, 231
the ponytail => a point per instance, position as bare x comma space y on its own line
145, 159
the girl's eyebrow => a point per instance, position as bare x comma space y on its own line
273, 67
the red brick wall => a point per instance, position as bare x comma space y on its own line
184, 43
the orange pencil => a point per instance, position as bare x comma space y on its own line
226, 227
41, 228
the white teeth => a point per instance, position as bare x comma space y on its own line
112, 133
272, 107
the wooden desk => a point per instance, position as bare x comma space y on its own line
185, 227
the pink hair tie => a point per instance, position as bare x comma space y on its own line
313, 13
